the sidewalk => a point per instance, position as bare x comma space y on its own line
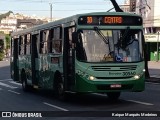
154, 71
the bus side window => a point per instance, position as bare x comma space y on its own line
44, 50
57, 46
12, 46
47, 40
70, 31
44, 42
57, 40
44, 36
41, 44
21, 45
50, 38
28, 42
25, 44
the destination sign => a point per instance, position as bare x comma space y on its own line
110, 20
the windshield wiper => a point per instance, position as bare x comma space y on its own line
122, 42
125, 33
103, 37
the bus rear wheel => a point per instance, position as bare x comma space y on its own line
59, 88
113, 95
25, 87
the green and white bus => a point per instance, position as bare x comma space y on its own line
99, 52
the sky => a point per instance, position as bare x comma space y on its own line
60, 8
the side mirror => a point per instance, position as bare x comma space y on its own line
74, 37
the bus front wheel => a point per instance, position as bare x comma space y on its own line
113, 95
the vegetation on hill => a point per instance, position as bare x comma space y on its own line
1, 50
5, 15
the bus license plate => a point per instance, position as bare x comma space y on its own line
116, 86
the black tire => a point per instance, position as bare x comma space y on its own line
25, 86
113, 95
59, 88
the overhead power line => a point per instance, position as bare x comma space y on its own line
56, 10
59, 2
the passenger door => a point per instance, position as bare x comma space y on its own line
14, 56
34, 57
69, 58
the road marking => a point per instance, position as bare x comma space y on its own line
153, 83
15, 83
6, 85
100, 94
6, 80
139, 102
155, 76
60, 108
14, 92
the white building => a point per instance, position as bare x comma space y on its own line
150, 11
8, 24
126, 6
14, 21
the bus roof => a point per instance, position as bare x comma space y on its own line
66, 20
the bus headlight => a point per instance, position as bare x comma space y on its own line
91, 78
136, 77
85, 75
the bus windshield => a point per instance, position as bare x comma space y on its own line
109, 45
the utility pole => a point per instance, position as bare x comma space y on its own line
50, 11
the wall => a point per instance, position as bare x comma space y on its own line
156, 13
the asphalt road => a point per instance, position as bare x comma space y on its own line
13, 99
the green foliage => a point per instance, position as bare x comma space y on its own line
1, 50
7, 38
1, 56
1, 32
1, 46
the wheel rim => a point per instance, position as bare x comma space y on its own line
60, 88
23, 81
23, 84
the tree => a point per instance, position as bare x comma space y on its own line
7, 38
1, 49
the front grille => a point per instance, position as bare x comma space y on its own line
114, 68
